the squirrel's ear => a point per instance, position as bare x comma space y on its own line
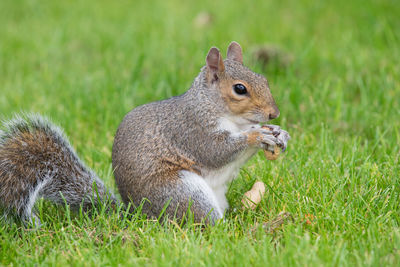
215, 63
235, 52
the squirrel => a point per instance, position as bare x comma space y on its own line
168, 157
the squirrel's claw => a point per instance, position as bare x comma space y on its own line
275, 129
283, 138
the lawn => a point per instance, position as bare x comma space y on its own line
335, 77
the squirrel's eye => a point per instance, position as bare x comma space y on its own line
240, 89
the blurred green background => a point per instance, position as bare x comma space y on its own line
333, 68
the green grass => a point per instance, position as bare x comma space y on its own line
87, 63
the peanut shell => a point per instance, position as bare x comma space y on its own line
272, 155
253, 197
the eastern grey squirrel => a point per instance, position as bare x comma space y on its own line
173, 153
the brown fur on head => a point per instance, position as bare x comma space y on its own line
255, 102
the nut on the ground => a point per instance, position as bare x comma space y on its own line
253, 197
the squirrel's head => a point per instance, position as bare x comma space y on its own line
246, 94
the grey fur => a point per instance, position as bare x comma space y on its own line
36, 160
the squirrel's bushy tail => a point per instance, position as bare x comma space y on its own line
36, 160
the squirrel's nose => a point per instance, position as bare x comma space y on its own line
274, 115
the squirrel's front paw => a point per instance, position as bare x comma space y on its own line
282, 136
262, 138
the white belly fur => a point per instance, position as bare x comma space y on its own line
218, 179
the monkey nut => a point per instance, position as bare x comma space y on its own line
271, 155
253, 197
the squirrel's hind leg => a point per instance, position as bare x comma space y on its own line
189, 191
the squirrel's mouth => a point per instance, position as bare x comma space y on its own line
257, 118
253, 121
